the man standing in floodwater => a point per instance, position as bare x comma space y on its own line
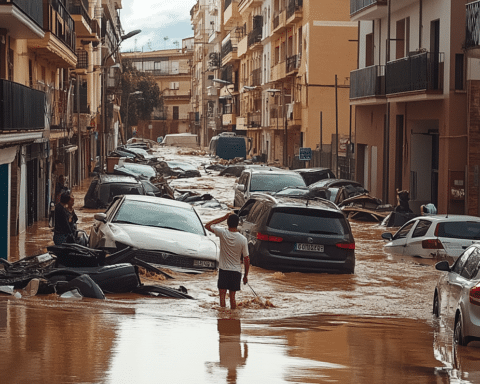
233, 249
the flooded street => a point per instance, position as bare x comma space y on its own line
374, 326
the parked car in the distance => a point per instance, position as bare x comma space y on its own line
338, 190
434, 236
268, 180
160, 231
457, 295
104, 187
312, 175
295, 234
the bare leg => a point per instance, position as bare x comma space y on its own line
223, 292
233, 303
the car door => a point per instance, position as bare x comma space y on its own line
456, 282
240, 197
399, 241
414, 240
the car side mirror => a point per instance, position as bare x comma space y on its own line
443, 266
241, 187
387, 236
100, 217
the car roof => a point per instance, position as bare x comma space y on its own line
111, 178
270, 170
298, 202
312, 170
159, 200
329, 182
446, 218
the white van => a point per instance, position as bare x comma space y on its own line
181, 140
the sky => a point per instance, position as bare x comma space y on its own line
163, 22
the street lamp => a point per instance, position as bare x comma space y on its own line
126, 119
104, 68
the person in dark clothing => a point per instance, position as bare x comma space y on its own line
60, 188
63, 230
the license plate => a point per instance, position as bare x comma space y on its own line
309, 247
204, 263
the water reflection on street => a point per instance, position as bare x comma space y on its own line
374, 326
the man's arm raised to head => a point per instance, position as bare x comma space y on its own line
208, 226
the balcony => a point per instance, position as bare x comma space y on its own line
292, 64
278, 72
22, 18
242, 47
231, 14
58, 43
421, 72
230, 45
294, 11
83, 92
79, 12
367, 9
255, 38
229, 116
472, 38
177, 94
82, 59
21, 107
248, 4
279, 22
367, 82
254, 119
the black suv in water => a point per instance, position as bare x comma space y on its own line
296, 234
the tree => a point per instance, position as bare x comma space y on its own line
140, 107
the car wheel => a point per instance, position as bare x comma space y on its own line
436, 306
458, 337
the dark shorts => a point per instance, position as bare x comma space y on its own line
229, 280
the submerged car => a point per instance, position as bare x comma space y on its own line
295, 234
457, 295
163, 232
312, 175
135, 169
434, 236
266, 180
104, 187
338, 190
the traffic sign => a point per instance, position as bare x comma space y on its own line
305, 154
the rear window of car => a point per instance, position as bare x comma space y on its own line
459, 230
275, 182
312, 221
109, 191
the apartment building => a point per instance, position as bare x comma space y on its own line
172, 71
411, 100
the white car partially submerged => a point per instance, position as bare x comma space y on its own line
434, 236
164, 232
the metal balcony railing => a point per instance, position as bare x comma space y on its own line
32, 8
292, 63
61, 24
293, 6
254, 119
423, 71
227, 48
472, 33
276, 21
254, 36
82, 59
227, 73
80, 8
367, 82
21, 107
358, 5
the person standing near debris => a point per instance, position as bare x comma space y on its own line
62, 232
233, 249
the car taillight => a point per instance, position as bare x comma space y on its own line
276, 239
474, 295
345, 245
432, 244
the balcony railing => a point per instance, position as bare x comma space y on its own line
423, 71
276, 21
367, 82
256, 77
32, 8
254, 36
293, 6
227, 48
472, 38
82, 59
80, 8
358, 5
61, 24
227, 73
21, 107
254, 119
292, 63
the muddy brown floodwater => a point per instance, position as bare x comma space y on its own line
374, 326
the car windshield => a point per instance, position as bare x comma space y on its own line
459, 230
159, 216
293, 191
309, 221
275, 182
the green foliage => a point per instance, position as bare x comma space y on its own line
140, 107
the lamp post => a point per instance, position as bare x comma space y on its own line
104, 68
126, 119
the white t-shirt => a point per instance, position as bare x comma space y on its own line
232, 246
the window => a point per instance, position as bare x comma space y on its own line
369, 51
470, 269
403, 232
148, 66
459, 71
175, 112
174, 85
421, 228
459, 230
459, 264
175, 68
